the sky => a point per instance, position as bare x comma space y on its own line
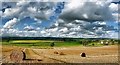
60, 18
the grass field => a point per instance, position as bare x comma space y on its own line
47, 43
40, 43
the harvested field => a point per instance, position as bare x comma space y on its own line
104, 54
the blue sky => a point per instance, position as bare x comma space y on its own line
84, 19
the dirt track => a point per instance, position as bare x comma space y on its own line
105, 54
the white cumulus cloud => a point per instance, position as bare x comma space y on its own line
10, 23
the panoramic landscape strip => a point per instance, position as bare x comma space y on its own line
60, 32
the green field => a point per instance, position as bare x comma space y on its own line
47, 43
39, 43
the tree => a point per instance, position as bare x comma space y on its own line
52, 44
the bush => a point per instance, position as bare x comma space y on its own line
93, 44
52, 44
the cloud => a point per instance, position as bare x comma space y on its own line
88, 11
64, 30
8, 5
83, 18
29, 28
80, 28
43, 32
8, 32
116, 16
22, 3
18, 33
112, 34
11, 12
10, 23
113, 7
22, 9
32, 9
38, 28
77, 31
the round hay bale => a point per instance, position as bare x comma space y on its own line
83, 54
17, 55
55, 52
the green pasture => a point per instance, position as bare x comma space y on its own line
39, 43
47, 43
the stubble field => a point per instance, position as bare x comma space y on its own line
102, 54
